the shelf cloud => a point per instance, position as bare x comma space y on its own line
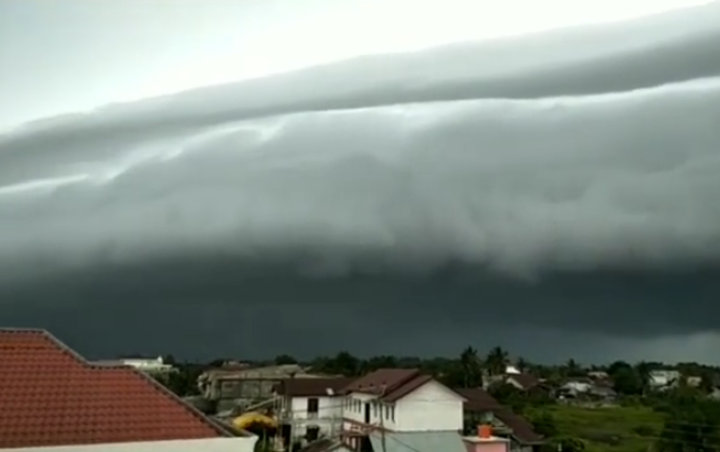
555, 185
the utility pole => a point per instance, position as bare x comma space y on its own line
382, 424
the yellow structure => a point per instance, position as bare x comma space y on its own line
246, 420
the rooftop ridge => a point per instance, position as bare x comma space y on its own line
221, 430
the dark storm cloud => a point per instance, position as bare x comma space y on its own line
216, 307
570, 186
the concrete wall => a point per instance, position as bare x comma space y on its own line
328, 418
430, 407
246, 444
487, 446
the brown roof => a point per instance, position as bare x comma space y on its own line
527, 381
390, 384
522, 430
477, 399
406, 388
51, 396
303, 387
382, 381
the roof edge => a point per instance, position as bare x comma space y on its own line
225, 432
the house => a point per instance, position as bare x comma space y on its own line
575, 387
311, 408
54, 400
481, 408
523, 382
236, 387
661, 379
389, 405
598, 375
152, 366
585, 390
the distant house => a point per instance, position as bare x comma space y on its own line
52, 399
523, 382
391, 407
152, 366
661, 379
481, 408
311, 408
584, 390
241, 386
598, 375
693, 381
576, 386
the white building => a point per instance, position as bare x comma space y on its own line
400, 401
311, 408
663, 378
154, 366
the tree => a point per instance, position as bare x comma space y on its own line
522, 364
379, 362
471, 369
692, 425
617, 366
284, 359
509, 395
573, 369
627, 381
544, 424
496, 361
343, 363
169, 359
183, 382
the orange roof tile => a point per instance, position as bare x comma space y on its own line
51, 396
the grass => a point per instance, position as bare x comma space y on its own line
611, 429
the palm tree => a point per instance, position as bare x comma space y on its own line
522, 364
471, 369
573, 369
496, 361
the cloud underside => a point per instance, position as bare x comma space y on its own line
579, 194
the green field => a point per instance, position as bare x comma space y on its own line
613, 429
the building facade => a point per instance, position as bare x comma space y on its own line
311, 408
399, 400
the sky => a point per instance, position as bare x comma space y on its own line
244, 179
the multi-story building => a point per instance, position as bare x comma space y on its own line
241, 386
402, 406
311, 408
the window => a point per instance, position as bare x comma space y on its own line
312, 433
387, 411
392, 413
312, 405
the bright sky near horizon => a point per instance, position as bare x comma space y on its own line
60, 57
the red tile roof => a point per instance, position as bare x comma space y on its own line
51, 396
